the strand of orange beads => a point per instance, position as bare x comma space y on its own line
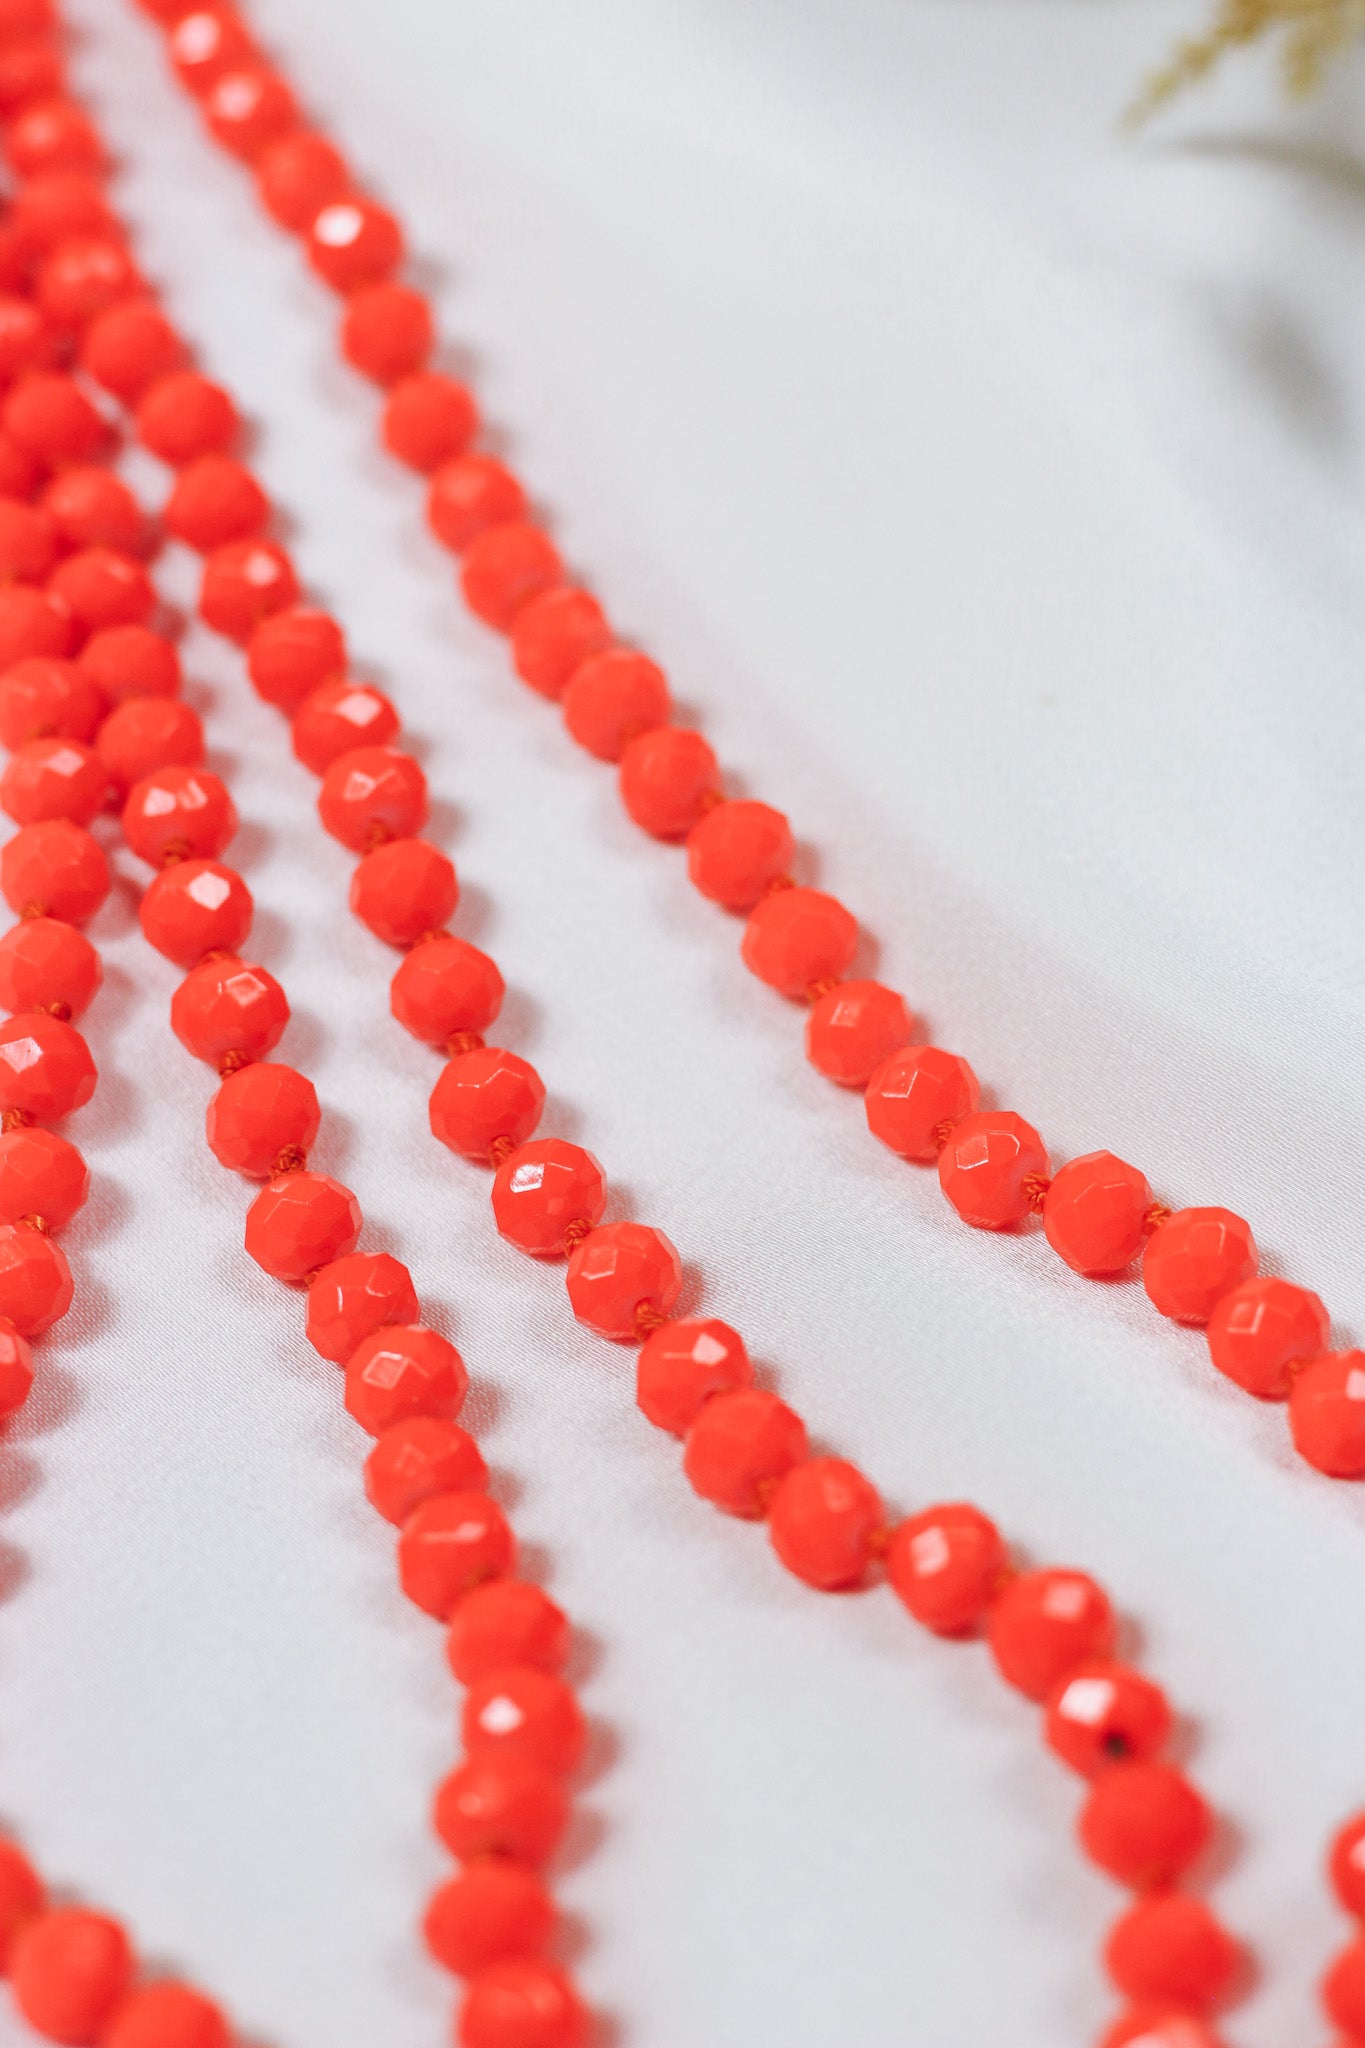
1053, 1633
1199, 1265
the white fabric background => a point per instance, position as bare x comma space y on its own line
992, 489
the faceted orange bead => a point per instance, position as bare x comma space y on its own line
338, 716
53, 136
206, 42
22, 1893
737, 850
353, 242
131, 661
292, 652
301, 1221
522, 2005
16, 1382
129, 348
505, 567
26, 340
1095, 1213
740, 1446
245, 582
1346, 1866
450, 1544
542, 1188
1196, 1258
258, 1113
1327, 1414
28, 542
1102, 1713
41, 1175
796, 938
166, 2015
20, 472
387, 331
613, 697
823, 1522
145, 734
47, 965
215, 500
178, 811
852, 1029
1046, 1623
554, 634
68, 1970
491, 1911
31, 69
54, 778
1171, 1948
681, 1365
1343, 1991
51, 418
506, 1622
989, 1167
445, 987
83, 277
229, 1006
500, 1806
186, 415
484, 1096
469, 495
90, 507
246, 110
620, 1274
299, 175
1144, 1823
667, 779
352, 1297
1262, 1329
45, 1067
56, 204
526, 1714
403, 890
420, 1457
947, 1564
35, 1280
55, 869
402, 1371
428, 418
371, 794
196, 907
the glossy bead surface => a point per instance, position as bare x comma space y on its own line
299, 1222
297, 176
145, 734
1046, 1623
204, 43
417, 1458
83, 277
667, 779
487, 1913
681, 1365
68, 1970
47, 965
130, 348
987, 1166
740, 1446
26, 340
258, 1113
338, 716
353, 242
450, 1544
90, 507
229, 1006
292, 653
352, 1297
31, 69
53, 136
1196, 1258
798, 938
50, 416
1327, 1414
524, 1713
28, 542
611, 698
371, 794
470, 495
522, 2005
554, 634
403, 890
131, 661
823, 1522
737, 850
215, 500
56, 204
401, 1371
428, 419
185, 812
543, 1187
41, 1175
445, 987
484, 1098
16, 1383
247, 110
45, 1067
853, 1028
55, 869
193, 908
1346, 1866
501, 1806
35, 1280
1262, 1329
1104, 1713
184, 416
504, 567
53, 778
506, 1622
946, 1564
387, 332
166, 2015
1343, 1991
1144, 1823
22, 1894
243, 583
620, 1273
1094, 1213
1171, 1948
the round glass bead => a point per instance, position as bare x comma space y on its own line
1261, 1330
293, 652
54, 778
68, 1971
228, 1006
506, 1622
444, 988
504, 567
299, 1222
184, 416
48, 965
620, 1274
522, 2005
1144, 1823
248, 109
523, 1713
145, 734
179, 812
216, 500
338, 716
417, 1458
611, 698
1046, 1623
1171, 1949
556, 633
92, 508
1194, 1259
41, 1175
823, 1522
1104, 1713
130, 348
484, 1098
45, 697
740, 1446
428, 419
947, 1564
541, 1189
797, 939
737, 851
353, 242
35, 1280
400, 1371
54, 870
448, 1545
352, 1297
45, 1067
1343, 1992
297, 176
490, 1912
470, 495
989, 1167
260, 1112
387, 331
1095, 1213
1327, 1414
245, 582
667, 780
500, 1806
404, 890
166, 2015
853, 1028
1346, 1866
681, 1365
131, 661
196, 907
371, 794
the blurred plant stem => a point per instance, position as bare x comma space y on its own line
1312, 32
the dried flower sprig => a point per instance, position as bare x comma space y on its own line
1314, 31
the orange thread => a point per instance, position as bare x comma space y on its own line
764, 1492
1156, 1216
232, 1062
61, 1011
425, 938
942, 1132
708, 800
574, 1234
174, 851
377, 834
15, 1120
289, 1159
1036, 1186
647, 1317
32, 910
499, 1150
816, 989
38, 1223
464, 1041
777, 882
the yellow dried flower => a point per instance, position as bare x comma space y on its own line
1313, 32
